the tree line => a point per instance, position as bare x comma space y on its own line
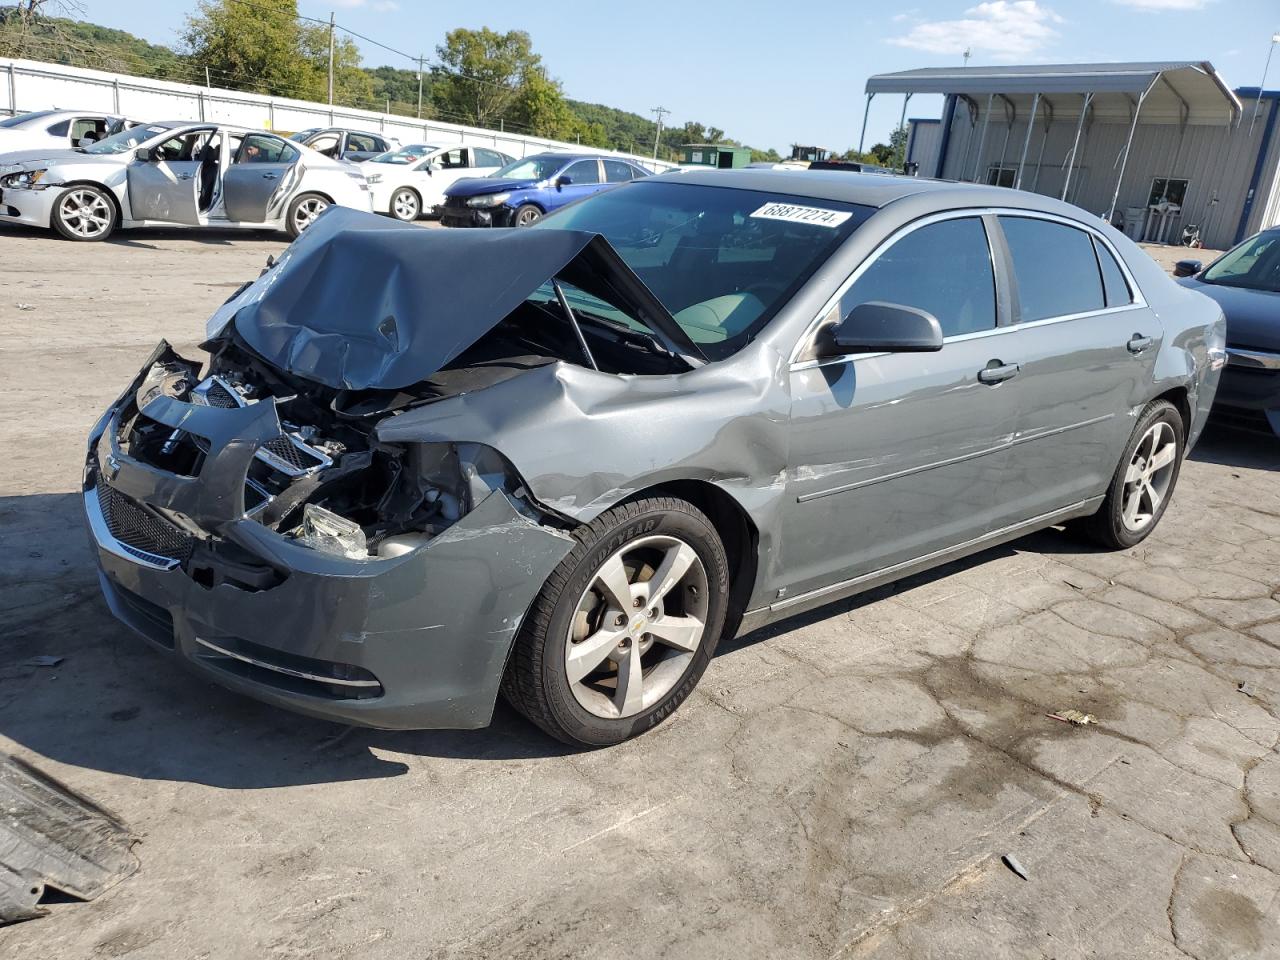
477, 77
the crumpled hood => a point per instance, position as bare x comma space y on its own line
360, 301
1253, 316
475, 186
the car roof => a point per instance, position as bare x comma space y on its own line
875, 189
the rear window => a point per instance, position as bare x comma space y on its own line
1055, 268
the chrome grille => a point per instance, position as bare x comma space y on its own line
291, 456
145, 536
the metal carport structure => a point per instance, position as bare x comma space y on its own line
1174, 92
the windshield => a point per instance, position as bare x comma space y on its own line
532, 168
126, 140
723, 261
24, 118
405, 155
1254, 265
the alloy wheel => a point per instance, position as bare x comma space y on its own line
637, 626
307, 211
405, 206
86, 213
1149, 476
527, 216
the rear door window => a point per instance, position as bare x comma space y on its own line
943, 268
361, 143
615, 171
1114, 285
1055, 268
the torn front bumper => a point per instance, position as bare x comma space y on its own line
415, 641
32, 207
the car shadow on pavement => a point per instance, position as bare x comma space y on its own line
1231, 446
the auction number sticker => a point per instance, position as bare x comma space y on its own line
793, 213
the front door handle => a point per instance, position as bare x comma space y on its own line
1137, 343
184, 176
997, 372
270, 176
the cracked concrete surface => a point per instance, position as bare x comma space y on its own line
841, 785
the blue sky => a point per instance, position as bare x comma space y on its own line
773, 73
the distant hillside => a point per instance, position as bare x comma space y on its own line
77, 43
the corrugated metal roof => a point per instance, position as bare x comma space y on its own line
1176, 89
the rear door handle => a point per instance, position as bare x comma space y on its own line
184, 176
997, 372
270, 176
1137, 343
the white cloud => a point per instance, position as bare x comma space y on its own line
1003, 29
1165, 4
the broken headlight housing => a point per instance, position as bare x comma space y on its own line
24, 180
489, 200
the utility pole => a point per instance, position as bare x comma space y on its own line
207, 83
1275, 38
661, 112
331, 58
421, 60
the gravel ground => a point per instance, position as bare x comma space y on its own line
842, 785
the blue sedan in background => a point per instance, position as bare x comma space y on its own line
525, 190
1245, 282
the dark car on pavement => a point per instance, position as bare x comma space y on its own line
1245, 282
526, 190
412, 468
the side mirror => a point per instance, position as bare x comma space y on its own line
563, 181
142, 155
1187, 268
878, 327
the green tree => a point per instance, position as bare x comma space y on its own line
352, 84
481, 74
540, 108
256, 47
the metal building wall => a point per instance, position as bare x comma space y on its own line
923, 140
1218, 162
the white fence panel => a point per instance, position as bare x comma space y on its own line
28, 85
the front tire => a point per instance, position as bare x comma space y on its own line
302, 212
624, 627
84, 213
1143, 482
406, 205
526, 214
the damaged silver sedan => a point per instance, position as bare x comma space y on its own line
413, 469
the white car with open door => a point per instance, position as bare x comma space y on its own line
411, 181
58, 129
176, 174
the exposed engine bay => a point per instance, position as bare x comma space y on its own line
326, 481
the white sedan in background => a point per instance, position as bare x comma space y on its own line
58, 128
409, 182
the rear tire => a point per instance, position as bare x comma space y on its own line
526, 214
406, 205
302, 212
1143, 482
591, 673
84, 213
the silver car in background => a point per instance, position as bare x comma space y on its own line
176, 174
58, 129
411, 468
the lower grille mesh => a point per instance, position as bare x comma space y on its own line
139, 531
